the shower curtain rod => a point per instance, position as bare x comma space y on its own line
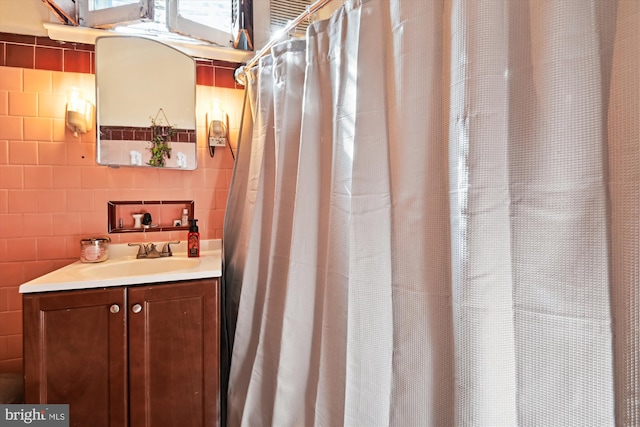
311, 9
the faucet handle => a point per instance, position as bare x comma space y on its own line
166, 250
142, 251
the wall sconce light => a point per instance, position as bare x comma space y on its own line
79, 112
218, 129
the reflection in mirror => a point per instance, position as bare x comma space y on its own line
146, 99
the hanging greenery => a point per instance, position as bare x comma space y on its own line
161, 136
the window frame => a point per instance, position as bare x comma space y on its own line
179, 24
116, 15
143, 10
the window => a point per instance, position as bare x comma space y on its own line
208, 20
223, 23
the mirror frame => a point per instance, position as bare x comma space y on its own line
136, 81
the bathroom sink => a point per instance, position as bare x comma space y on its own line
135, 267
123, 269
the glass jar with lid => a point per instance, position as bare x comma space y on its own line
94, 249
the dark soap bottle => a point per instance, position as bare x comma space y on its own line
193, 240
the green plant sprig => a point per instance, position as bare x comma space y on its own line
159, 144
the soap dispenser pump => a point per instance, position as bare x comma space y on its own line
193, 245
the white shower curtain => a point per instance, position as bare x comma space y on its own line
434, 219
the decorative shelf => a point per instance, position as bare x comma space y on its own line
163, 214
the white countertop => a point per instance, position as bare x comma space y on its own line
122, 268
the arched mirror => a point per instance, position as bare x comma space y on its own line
146, 100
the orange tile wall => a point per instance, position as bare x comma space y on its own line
52, 192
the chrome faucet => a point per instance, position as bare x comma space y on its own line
149, 250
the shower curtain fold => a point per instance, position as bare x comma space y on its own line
434, 219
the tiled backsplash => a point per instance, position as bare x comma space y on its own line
42, 53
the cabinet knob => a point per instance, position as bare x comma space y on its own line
137, 308
115, 308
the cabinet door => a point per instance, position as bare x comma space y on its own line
173, 354
75, 353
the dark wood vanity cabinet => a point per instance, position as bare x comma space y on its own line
126, 356
75, 352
